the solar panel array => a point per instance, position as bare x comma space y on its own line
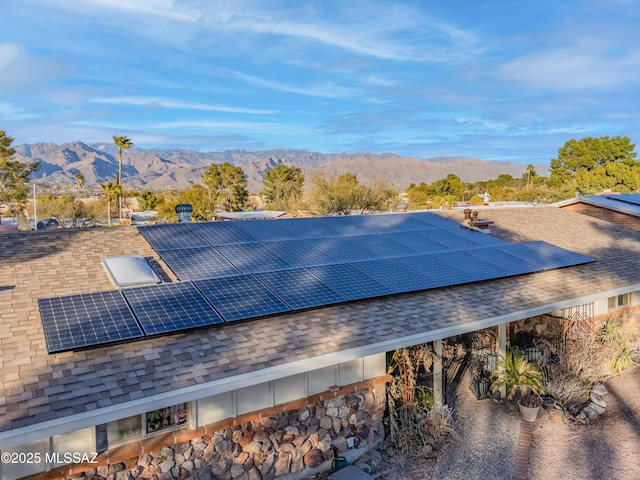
78, 321
231, 271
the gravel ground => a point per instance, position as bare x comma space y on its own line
607, 449
486, 438
485, 444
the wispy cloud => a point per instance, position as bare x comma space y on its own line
261, 127
584, 65
13, 111
178, 105
328, 90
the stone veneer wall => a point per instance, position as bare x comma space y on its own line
292, 440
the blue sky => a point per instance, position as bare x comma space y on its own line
496, 80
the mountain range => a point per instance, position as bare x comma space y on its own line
161, 169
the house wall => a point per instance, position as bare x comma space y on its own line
231, 409
619, 218
292, 440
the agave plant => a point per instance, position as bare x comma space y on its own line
515, 373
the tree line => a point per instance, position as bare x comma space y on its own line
584, 166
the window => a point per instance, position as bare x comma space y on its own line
618, 302
124, 430
167, 417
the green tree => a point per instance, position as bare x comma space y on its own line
62, 208
418, 196
589, 153
147, 200
451, 186
196, 195
344, 194
226, 186
14, 175
121, 142
111, 190
282, 187
615, 176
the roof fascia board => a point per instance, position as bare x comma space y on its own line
32, 433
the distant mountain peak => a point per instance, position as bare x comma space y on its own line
179, 168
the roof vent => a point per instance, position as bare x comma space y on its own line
184, 211
471, 220
130, 271
47, 225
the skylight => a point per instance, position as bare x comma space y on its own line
130, 271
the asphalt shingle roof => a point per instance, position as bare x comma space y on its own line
36, 386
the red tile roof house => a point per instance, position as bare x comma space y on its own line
259, 399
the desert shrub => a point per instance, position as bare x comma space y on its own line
417, 426
416, 431
615, 341
584, 360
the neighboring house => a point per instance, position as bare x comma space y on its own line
276, 394
621, 209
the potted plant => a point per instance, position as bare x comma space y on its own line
154, 421
516, 374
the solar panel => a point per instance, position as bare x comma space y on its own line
170, 307
300, 253
448, 238
389, 223
484, 239
431, 219
197, 263
476, 268
241, 297
530, 256
499, 258
307, 228
343, 250
266, 230
350, 282
78, 321
172, 237
563, 258
417, 242
382, 245
344, 226
299, 288
222, 233
631, 198
440, 273
252, 257
250, 269
395, 276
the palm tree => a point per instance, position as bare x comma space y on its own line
126, 143
530, 172
515, 373
110, 189
79, 183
